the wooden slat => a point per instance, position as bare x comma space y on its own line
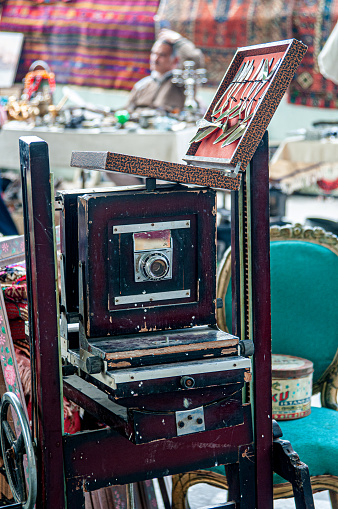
43, 320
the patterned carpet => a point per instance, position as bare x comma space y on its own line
106, 43
103, 43
218, 27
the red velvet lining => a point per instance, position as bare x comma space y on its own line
206, 147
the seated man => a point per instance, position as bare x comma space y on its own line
157, 90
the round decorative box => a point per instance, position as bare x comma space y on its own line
291, 387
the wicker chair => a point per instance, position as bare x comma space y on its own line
304, 315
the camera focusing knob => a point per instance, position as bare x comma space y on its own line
246, 347
187, 382
94, 365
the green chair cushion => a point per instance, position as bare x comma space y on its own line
314, 438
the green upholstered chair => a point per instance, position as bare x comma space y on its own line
304, 316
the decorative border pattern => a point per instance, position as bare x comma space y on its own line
8, 361
317, 235
12, 249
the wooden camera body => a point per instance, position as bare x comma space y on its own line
148, 261
139, 304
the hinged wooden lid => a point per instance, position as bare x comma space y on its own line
254, 83
171, 172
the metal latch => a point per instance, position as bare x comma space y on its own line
190, 421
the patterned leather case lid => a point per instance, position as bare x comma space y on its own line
244, 104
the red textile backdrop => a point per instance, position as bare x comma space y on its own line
218, 27
106, 43
103, 43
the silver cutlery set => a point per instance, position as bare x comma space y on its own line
239, 100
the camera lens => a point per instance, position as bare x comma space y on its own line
156, 266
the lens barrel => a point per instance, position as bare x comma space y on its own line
156, 266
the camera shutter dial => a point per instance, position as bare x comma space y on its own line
155, 265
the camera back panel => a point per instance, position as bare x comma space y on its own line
147, 260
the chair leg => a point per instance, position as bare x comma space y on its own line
287, 464
164, 493
241, 479
232, 475
334, 499
247, 477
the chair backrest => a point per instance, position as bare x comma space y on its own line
304, 285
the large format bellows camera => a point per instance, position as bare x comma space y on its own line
138, 306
